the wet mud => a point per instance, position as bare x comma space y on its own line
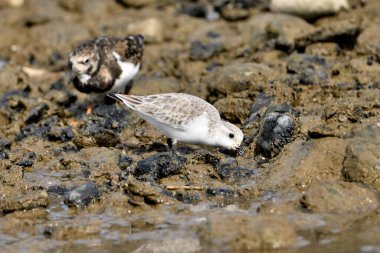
306, 95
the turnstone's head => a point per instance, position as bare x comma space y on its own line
84, 61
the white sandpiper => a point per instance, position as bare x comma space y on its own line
185, 118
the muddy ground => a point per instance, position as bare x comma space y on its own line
305, 93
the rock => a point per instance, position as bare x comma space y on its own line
246, 233
102, 127
199, 51
234, 109
269, 30
323, 49
198, 10
238, 77
307, 69
36, 113
339, 198
277, 129
160, 165
136, 3
23, 201
258, 108
369, 40
41, 129
152, 29
3, 154
5, 143
66, 148
82, 195
343, 32
63, 134
61, 98
146, 193
231, 13
230, 171
309, 9
362, 161
58, 189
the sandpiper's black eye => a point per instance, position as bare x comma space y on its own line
231, 136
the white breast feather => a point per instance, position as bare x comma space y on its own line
84, 78
129, 70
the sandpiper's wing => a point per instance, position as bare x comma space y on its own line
174, 109
130, 48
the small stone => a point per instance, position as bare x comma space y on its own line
3, 155
229, 170
160, 165
36, 113
5, 144
200, 51
57, 189
83, 195
238, 77
277, 129
152, 29
63, 134
307, 69
362, 161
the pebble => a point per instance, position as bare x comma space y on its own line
160, 165
82, 195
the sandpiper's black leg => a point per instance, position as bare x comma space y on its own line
170, 143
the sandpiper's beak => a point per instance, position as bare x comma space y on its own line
239, 150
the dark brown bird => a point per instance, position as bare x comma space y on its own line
106, 64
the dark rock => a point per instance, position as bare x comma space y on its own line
339, 198
197, 10
102, 127
3, 154
124, 161
307, 69
82, 195
160, 165
220, 191
261, 103
67, 148
41, 129
362, 160
5, 144
200, 51
63, 134
27, 161
231, 171
36, 113
277, 128
57, 189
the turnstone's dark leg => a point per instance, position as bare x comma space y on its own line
128, 87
